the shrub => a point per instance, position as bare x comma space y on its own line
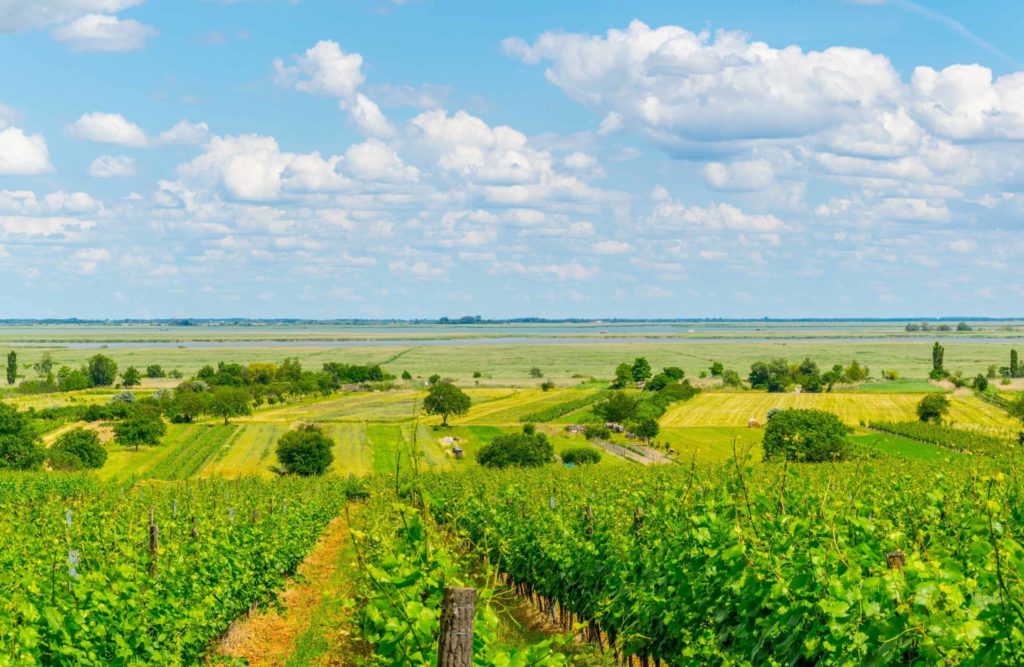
547, 385
805, 435
596, 432
527, 450
932, 408
306, 451
581, 455
155, 371
81, 444
64, 461
536, 372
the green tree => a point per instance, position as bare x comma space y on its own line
446, 399
72, 379
536, 372
18, 447
142, 427
186, 406
932, 408
731, 378
674, 373
102, 370
131, 377
12, 367
581, 456
805, 436
230, 402
1016, 408
980, 382
717, 368
618, 407
526, 450
623, 376
774, 376
305, 451
433, 379
963, 326
645, 428
44, 366
641, 369
938, 354
855, 372
1014, 364
406, 375
155, 371
83, 445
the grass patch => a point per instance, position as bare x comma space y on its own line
903, 447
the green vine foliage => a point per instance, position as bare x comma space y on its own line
876, 562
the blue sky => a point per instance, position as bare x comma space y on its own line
314, 158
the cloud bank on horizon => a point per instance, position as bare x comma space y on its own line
215, 163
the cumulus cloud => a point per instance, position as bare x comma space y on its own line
113, 128
323, 70
22, 154
101, 32
743, 175
610, 247
108, 128
112, 166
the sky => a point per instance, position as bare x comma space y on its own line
421, 158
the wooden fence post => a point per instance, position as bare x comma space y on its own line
455, 646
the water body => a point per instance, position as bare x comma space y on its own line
512, 340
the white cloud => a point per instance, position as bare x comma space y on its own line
374, 160
962, 245
368, 116
112, 166
580, 161
19, 15
671, 215
100, 32
22, 154
25, 202
612, 247
185, 132
108, 128
324, 70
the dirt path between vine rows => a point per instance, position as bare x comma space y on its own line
310, 627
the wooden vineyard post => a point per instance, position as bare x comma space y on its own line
455, 645
896, 560
154, 545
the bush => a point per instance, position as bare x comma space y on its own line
81, 444
155, 371
806, 436
64, 461
581, 456
306, 451
547, 385
596, 432
536, 372
526, 450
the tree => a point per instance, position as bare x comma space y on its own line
131, 377
155, 371
547, 385
230, 402
12, 367
641, 369
1015, 370
623, 376
1016, 408
717, 368
44, 366
526, 450
674, 373
618, 408
596, 432
72, 379
187, 405
433, 379
773, 376
446, 399
932, 408
963, 326
938, 370
305, 451
102, 371
645, 428
536, 372
406, 375
805, 436
142, 427
980, 382
83, 445
18, 447
731, 378
855, 372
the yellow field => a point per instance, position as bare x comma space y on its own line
516, 403
734, 409
712, 443
249, 452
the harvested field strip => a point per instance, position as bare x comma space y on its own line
123, 462
190, 453
509, 410
734, 409
387, 445
711, 444
249, 452
353, 452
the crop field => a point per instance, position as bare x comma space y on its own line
735, 409
512, 406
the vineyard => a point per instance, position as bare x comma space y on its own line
877, 563
102, 574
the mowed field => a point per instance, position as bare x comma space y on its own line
735, 409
